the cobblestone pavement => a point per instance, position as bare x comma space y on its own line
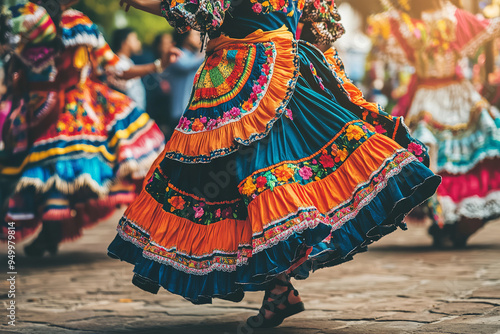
400, 286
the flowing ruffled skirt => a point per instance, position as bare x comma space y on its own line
272, 169
84, 165
463, 132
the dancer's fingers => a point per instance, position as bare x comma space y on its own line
127, 5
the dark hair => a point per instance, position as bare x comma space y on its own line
306, 33
120, 36
180, 38
157, 41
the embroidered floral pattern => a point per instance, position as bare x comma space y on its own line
192, 207
269, 6
202, 15
318, 78
324, 18
314, 168
274, 231
74, 119
416, 149
231, 85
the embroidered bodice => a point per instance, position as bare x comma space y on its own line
236, 18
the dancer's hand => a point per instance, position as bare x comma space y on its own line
171, 57
150, 6
126, 3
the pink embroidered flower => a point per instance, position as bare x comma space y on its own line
380, 129
253, 97
184, 123
215, 23
217, 213
261, 182
211, 124
418, 33
227, 116
327, 161
257, 8
415, 148
305, 172
181, 122
235, 112
203, 120
314, 162
198, 212
262, 80
289, 114
257, 89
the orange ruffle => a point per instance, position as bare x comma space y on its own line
326, 193
355, 95
170, 231
223, 140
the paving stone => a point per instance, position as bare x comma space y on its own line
401, 286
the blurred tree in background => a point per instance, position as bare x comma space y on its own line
108, 15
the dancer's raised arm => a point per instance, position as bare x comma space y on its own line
150, 6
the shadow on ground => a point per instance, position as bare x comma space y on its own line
222, 328
63, 259
429, 249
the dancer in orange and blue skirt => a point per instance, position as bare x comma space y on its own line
273, 172
74, 148
444, 110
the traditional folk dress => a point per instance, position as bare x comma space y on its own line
274, 167
78, 148
444, 110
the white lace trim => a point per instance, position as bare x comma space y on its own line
471, 207
449, 105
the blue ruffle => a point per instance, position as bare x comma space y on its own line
381, 216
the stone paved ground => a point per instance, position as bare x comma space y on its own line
399, 286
